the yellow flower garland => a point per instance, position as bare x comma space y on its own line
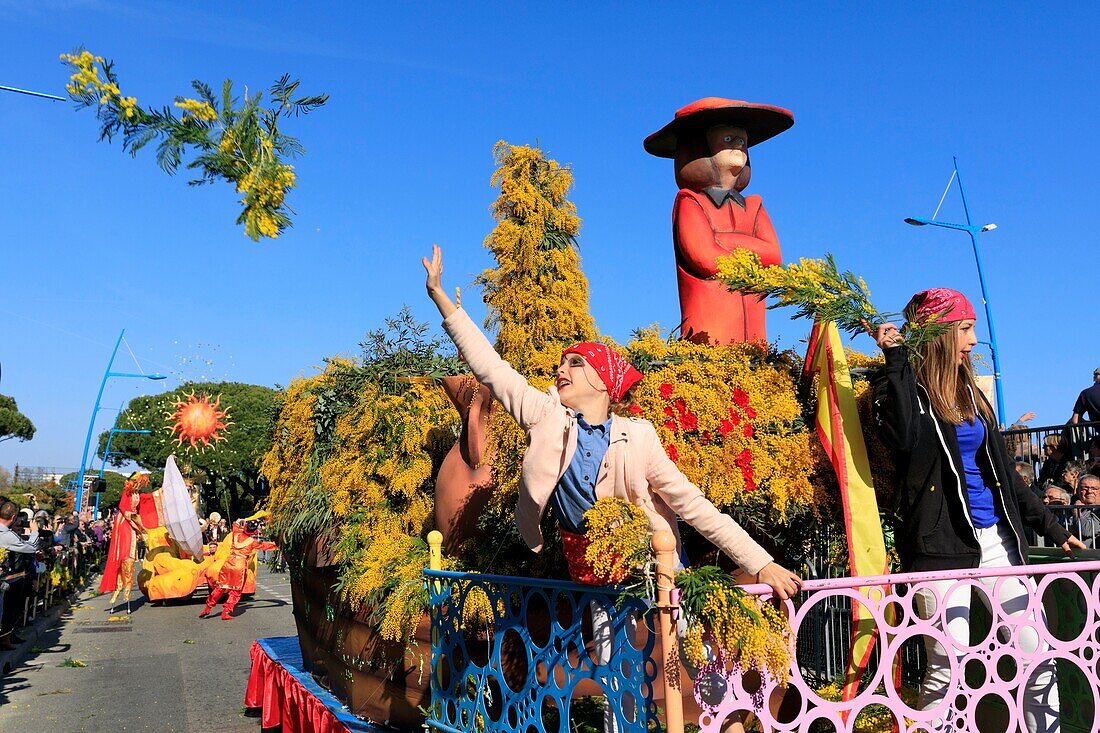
618, 539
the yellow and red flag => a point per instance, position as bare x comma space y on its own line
840, 433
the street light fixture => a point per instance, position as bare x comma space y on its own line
95, 411
974, 231
107, 449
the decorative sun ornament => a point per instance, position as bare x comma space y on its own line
197, 420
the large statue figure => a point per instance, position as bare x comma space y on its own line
709, 141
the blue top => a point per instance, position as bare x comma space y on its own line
982, 510
576, 490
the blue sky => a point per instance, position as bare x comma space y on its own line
883, 94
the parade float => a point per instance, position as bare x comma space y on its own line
371, 455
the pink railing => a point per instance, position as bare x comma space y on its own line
1000, 682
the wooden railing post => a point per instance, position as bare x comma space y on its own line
664, 547
435, 553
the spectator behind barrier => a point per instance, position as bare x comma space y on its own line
1055, 449
1054, 495
1019, 444
1089, 522
1027, 473
66, 531
19, 550
1071, 474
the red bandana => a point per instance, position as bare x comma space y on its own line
943, 305
616, 372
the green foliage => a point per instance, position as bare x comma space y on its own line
230, 468
697, 583
108, 499
819, 291
13, 423
403, 348
312, 516
237, 140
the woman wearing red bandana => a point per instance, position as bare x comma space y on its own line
962, 504
578, 450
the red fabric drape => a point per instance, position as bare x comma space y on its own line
147, 509
283, 700
122, 543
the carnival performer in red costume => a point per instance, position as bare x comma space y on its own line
118, 572
709, 141
231, 577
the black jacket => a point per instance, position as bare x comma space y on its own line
935, 531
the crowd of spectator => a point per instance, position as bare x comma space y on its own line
1068, 462
42, 553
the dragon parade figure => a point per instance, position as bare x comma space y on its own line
118, 572
235, 553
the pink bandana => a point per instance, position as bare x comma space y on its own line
616, 372
943, 305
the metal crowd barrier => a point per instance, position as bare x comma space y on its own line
520, 670
34, 593
1072, 442
987, 671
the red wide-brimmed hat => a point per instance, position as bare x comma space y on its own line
761, 122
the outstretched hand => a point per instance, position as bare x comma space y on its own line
434, 267
1073, 544
434, 283
782, 581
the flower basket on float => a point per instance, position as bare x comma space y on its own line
367, 458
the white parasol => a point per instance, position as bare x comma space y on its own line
180, 518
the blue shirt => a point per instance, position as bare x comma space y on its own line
982, 511
576, 490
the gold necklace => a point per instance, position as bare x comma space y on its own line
954, 414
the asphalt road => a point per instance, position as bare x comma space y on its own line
161, 669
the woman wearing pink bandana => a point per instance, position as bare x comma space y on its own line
578, 450
960, 501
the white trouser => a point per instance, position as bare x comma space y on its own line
998, 550
603, 636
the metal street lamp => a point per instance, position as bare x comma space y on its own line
95, 411
31, 93
974, 231
107, 449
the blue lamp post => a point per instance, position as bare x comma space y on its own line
974, 231
95, 411
107, 450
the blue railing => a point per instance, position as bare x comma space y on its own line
540, 645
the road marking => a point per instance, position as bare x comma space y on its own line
271, 591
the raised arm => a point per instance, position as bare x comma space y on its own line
434, 284
688, 501
896, 407
522, 401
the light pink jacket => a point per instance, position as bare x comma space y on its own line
635, 468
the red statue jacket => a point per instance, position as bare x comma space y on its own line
702, 233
